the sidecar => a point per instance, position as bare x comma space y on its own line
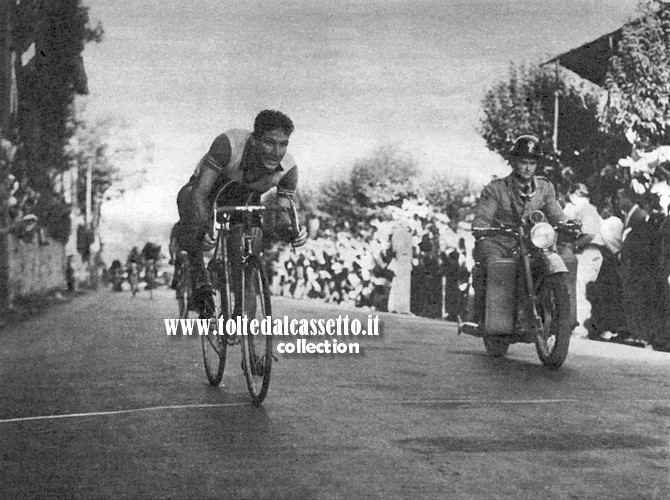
502, 295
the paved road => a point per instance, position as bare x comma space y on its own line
97, 401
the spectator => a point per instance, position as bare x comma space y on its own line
401, 245
587, 250
640, 268
605, 294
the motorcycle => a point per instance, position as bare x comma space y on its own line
542, 309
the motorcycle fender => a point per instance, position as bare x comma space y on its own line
553, 263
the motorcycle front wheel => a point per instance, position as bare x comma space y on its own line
553, 307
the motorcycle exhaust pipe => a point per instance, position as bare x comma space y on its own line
469, 328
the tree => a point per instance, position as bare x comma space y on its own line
638, 77
517, 106
385, 178
49, 82
452, 196
524, 103
116, 157
48, 39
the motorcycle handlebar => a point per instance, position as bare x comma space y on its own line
493, 231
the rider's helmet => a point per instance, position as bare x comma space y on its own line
526, 146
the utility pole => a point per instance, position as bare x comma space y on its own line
556, 95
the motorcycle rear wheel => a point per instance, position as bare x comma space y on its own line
553, 307
495, 347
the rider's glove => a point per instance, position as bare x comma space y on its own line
572, 226
479, 233
301, 238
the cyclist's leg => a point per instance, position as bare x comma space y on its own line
189, 238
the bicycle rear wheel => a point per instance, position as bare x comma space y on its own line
256, 349
215, 347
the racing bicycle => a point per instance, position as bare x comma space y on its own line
240, 289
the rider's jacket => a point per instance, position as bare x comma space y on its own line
503, 202
230, 155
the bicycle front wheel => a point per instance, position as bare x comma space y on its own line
256, 349
215, 346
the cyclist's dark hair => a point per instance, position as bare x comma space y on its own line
269, 119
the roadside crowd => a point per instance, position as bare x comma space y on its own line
414, 263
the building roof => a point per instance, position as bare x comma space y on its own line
590, 60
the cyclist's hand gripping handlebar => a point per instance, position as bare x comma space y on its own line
298, 232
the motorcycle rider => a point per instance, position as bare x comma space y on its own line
257, 161
507, 202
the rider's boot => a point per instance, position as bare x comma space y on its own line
202, 300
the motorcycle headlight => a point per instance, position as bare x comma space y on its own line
542, 235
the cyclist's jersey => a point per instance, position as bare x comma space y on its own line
231, 156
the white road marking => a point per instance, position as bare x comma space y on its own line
515, 401
119, 412
484, 401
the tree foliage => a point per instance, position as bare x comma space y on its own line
638, 78
518, 106
117, 159
525, 103
48, 83
48, 39
451, 196
385, 178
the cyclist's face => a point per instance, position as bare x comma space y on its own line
272, 148
525, 168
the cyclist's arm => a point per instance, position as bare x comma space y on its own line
203, 186
287, 186
211, 167
285, 193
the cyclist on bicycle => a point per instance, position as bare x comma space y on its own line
256, 161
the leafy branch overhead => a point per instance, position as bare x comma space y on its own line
638, 78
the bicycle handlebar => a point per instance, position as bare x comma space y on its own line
291, 211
